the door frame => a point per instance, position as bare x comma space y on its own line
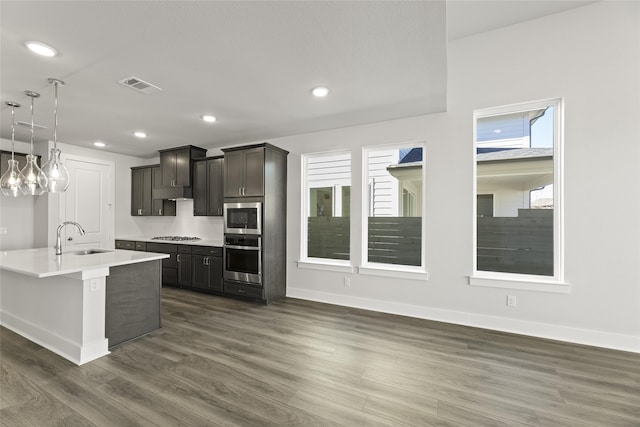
56, 212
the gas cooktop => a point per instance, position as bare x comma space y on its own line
175, 238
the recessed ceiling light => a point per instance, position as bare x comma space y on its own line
208, 119
140, 134
320, 91
99, 144
41, 48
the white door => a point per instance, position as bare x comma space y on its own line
88, 202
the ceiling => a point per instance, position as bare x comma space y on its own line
250, 64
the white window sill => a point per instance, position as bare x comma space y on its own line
521, 282
395, 271
326, 265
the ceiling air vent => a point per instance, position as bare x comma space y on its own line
139, 85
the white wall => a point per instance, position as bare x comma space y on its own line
591, 57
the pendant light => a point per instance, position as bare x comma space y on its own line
12, 181
35, 181
55, 171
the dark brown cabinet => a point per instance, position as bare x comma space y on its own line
208, 186
169, 265
207, 268
143, 180
126, 245
188, 266
258, 173
176, 172
160, 207
244, 172
184, 266
141, 191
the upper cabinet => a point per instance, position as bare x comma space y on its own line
176, 173
207, 186
244, 172
141, 191
143, 179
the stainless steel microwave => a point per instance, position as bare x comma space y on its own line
243, 218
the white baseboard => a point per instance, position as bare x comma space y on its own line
535, 329
71, 351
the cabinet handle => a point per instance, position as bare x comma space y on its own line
139, 211
178, 258
239, 191
160, 211
205, 260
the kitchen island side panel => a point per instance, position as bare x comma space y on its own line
132, 301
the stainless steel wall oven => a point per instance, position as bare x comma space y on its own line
243, 258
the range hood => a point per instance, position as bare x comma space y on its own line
172, 193
175, 175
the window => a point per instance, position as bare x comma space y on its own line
327, 193
517, 182
394, 198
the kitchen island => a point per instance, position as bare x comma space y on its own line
61, 301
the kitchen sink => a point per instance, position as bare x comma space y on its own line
92, 251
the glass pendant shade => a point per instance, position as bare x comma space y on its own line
12, 181
55, 171
56, 174
35, 180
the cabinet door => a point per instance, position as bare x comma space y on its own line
137, 191
184, 270
168, 168
183, 167
160, 207
215, 276
254, 172
200, 279
215, 197
200, 190
141, 192
233, 173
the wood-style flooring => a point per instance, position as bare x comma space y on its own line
224, 362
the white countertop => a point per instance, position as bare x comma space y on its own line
202, 242
43, 262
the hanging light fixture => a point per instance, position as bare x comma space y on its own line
35, 181
12, 181
55, 171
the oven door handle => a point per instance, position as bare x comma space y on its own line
245, 248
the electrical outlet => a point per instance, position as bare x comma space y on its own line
3, 230
347, 282
94, 284
511, 300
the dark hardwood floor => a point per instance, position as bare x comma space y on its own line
219, 361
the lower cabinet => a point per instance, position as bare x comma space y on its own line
169, 265
207, 268
184, 266
188, 266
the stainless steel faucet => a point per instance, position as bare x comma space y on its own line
58, 246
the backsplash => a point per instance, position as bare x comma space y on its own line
183, 224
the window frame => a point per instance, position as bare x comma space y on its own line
313, 262
382, 269
555, 283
